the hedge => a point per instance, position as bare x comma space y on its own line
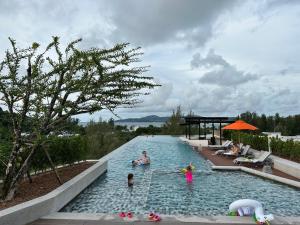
255, 141
288, 149
63, 150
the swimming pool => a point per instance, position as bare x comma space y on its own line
160, 188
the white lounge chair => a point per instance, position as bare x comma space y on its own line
225, 145
245, 150
234, 150
259, 160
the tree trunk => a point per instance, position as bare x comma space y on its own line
7, 193
29, 176
53, 166
10, 171
14, 176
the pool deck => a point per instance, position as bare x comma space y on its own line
227, 161
105, 219
219, 160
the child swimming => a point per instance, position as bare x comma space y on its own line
189, 173
130, 180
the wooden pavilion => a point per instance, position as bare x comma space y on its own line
188, 121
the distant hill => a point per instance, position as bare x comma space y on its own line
151, 118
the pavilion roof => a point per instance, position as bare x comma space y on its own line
204, 119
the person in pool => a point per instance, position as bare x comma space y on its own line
189, 173
130, 180
143, 160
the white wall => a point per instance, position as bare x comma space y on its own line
284, 165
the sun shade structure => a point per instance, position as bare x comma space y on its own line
240, 125
189, 121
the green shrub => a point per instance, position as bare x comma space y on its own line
258, 142
5, 148
63, 150
288, 149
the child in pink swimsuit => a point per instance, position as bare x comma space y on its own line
189, 174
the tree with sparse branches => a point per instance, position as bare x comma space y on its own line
50, 86
172, 126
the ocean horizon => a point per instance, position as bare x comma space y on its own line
132, 124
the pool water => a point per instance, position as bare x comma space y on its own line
162, 189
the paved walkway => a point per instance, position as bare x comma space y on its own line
106, 219
95, 222
113, 220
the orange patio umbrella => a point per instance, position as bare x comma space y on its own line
240, 125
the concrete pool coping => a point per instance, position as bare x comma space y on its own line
100, 218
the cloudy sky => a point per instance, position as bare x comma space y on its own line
219, 58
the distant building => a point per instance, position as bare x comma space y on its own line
25, 134
273, 134
133, 128
281, 137
66, 134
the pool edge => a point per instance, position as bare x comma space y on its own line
279, 220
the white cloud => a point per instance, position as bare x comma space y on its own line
159, 96
150, 22
221, 72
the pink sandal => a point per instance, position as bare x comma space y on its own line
154, 217
151, 216
130, 215
157, 218
122, 214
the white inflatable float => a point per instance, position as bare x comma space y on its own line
249, 207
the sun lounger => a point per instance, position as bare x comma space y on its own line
235, 151
219, 152
228, 152
245, 150
259, 160
225, 145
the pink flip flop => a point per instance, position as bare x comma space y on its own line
129, 214
151, 216
122, 214
157, 218
154, 217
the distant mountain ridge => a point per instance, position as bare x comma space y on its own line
151, 118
